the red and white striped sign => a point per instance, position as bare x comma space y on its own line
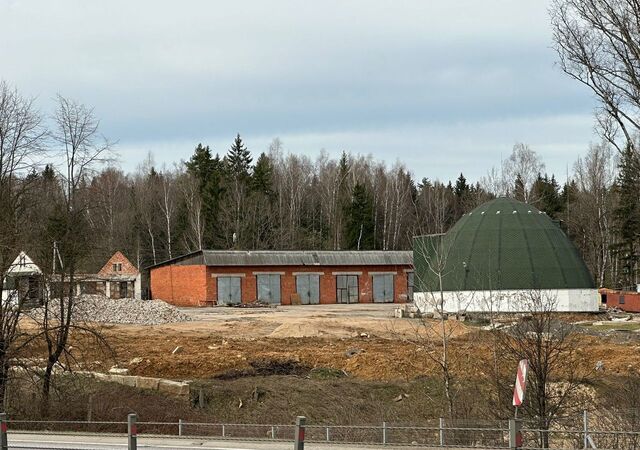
521, 383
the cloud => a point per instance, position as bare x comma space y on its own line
446, 78
430, 151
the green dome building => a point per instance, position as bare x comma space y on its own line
494, 255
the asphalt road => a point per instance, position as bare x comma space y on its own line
101, 442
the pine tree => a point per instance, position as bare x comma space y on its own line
209, 172
462, 188
461, 193
519, 189
627, 216
359, 227
200, 163
239, 160
546, 193
261, 180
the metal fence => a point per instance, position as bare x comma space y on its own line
440, 433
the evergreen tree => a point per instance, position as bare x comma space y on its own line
200, 163
239, 160
360, 225
461, 193
262, 173
627, 216
546, 193
209, 172
519, 189
462, 188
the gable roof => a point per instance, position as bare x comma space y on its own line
118, 257
23, 265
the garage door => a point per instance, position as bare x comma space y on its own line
383, 288
347, 288
308, 288
268, 288
229, 290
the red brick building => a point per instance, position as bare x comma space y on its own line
118, 278
625, 300
209, 277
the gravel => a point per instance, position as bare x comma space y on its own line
97, 308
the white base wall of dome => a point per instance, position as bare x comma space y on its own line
561, 300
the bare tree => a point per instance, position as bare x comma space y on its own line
21, 145
590, 216
556, 371
524, 164
190, 193
145, 199
432, 254
598, 44
82, 147
167, 205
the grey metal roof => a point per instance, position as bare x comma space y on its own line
294, 258
306, 258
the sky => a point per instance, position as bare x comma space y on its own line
443, 86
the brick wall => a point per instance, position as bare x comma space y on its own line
127, 267
180, 285
626, 301
197, 285
327, 281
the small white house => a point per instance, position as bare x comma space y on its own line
22, 281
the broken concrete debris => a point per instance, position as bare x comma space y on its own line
98, 308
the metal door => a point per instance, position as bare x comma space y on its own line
268, 288
229, 290
383, 288
308, 288
347, 288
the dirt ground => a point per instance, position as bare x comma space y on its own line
329, 321
364, 341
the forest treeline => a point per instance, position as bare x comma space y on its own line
236, 198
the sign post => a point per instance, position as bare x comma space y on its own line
518, 397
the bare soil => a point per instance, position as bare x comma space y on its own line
364, 341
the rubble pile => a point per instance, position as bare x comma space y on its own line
97, 308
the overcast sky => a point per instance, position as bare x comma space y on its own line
445, 86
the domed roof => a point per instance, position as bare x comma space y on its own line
502, 244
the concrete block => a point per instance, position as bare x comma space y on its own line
129, 380
173, 387
115, 378
147, 383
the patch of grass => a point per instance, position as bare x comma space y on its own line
326, 373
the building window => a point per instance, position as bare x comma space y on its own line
621, 300
117, 267
383, 288
229, 290
410, 285
347, 288
308, 288
268, 286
